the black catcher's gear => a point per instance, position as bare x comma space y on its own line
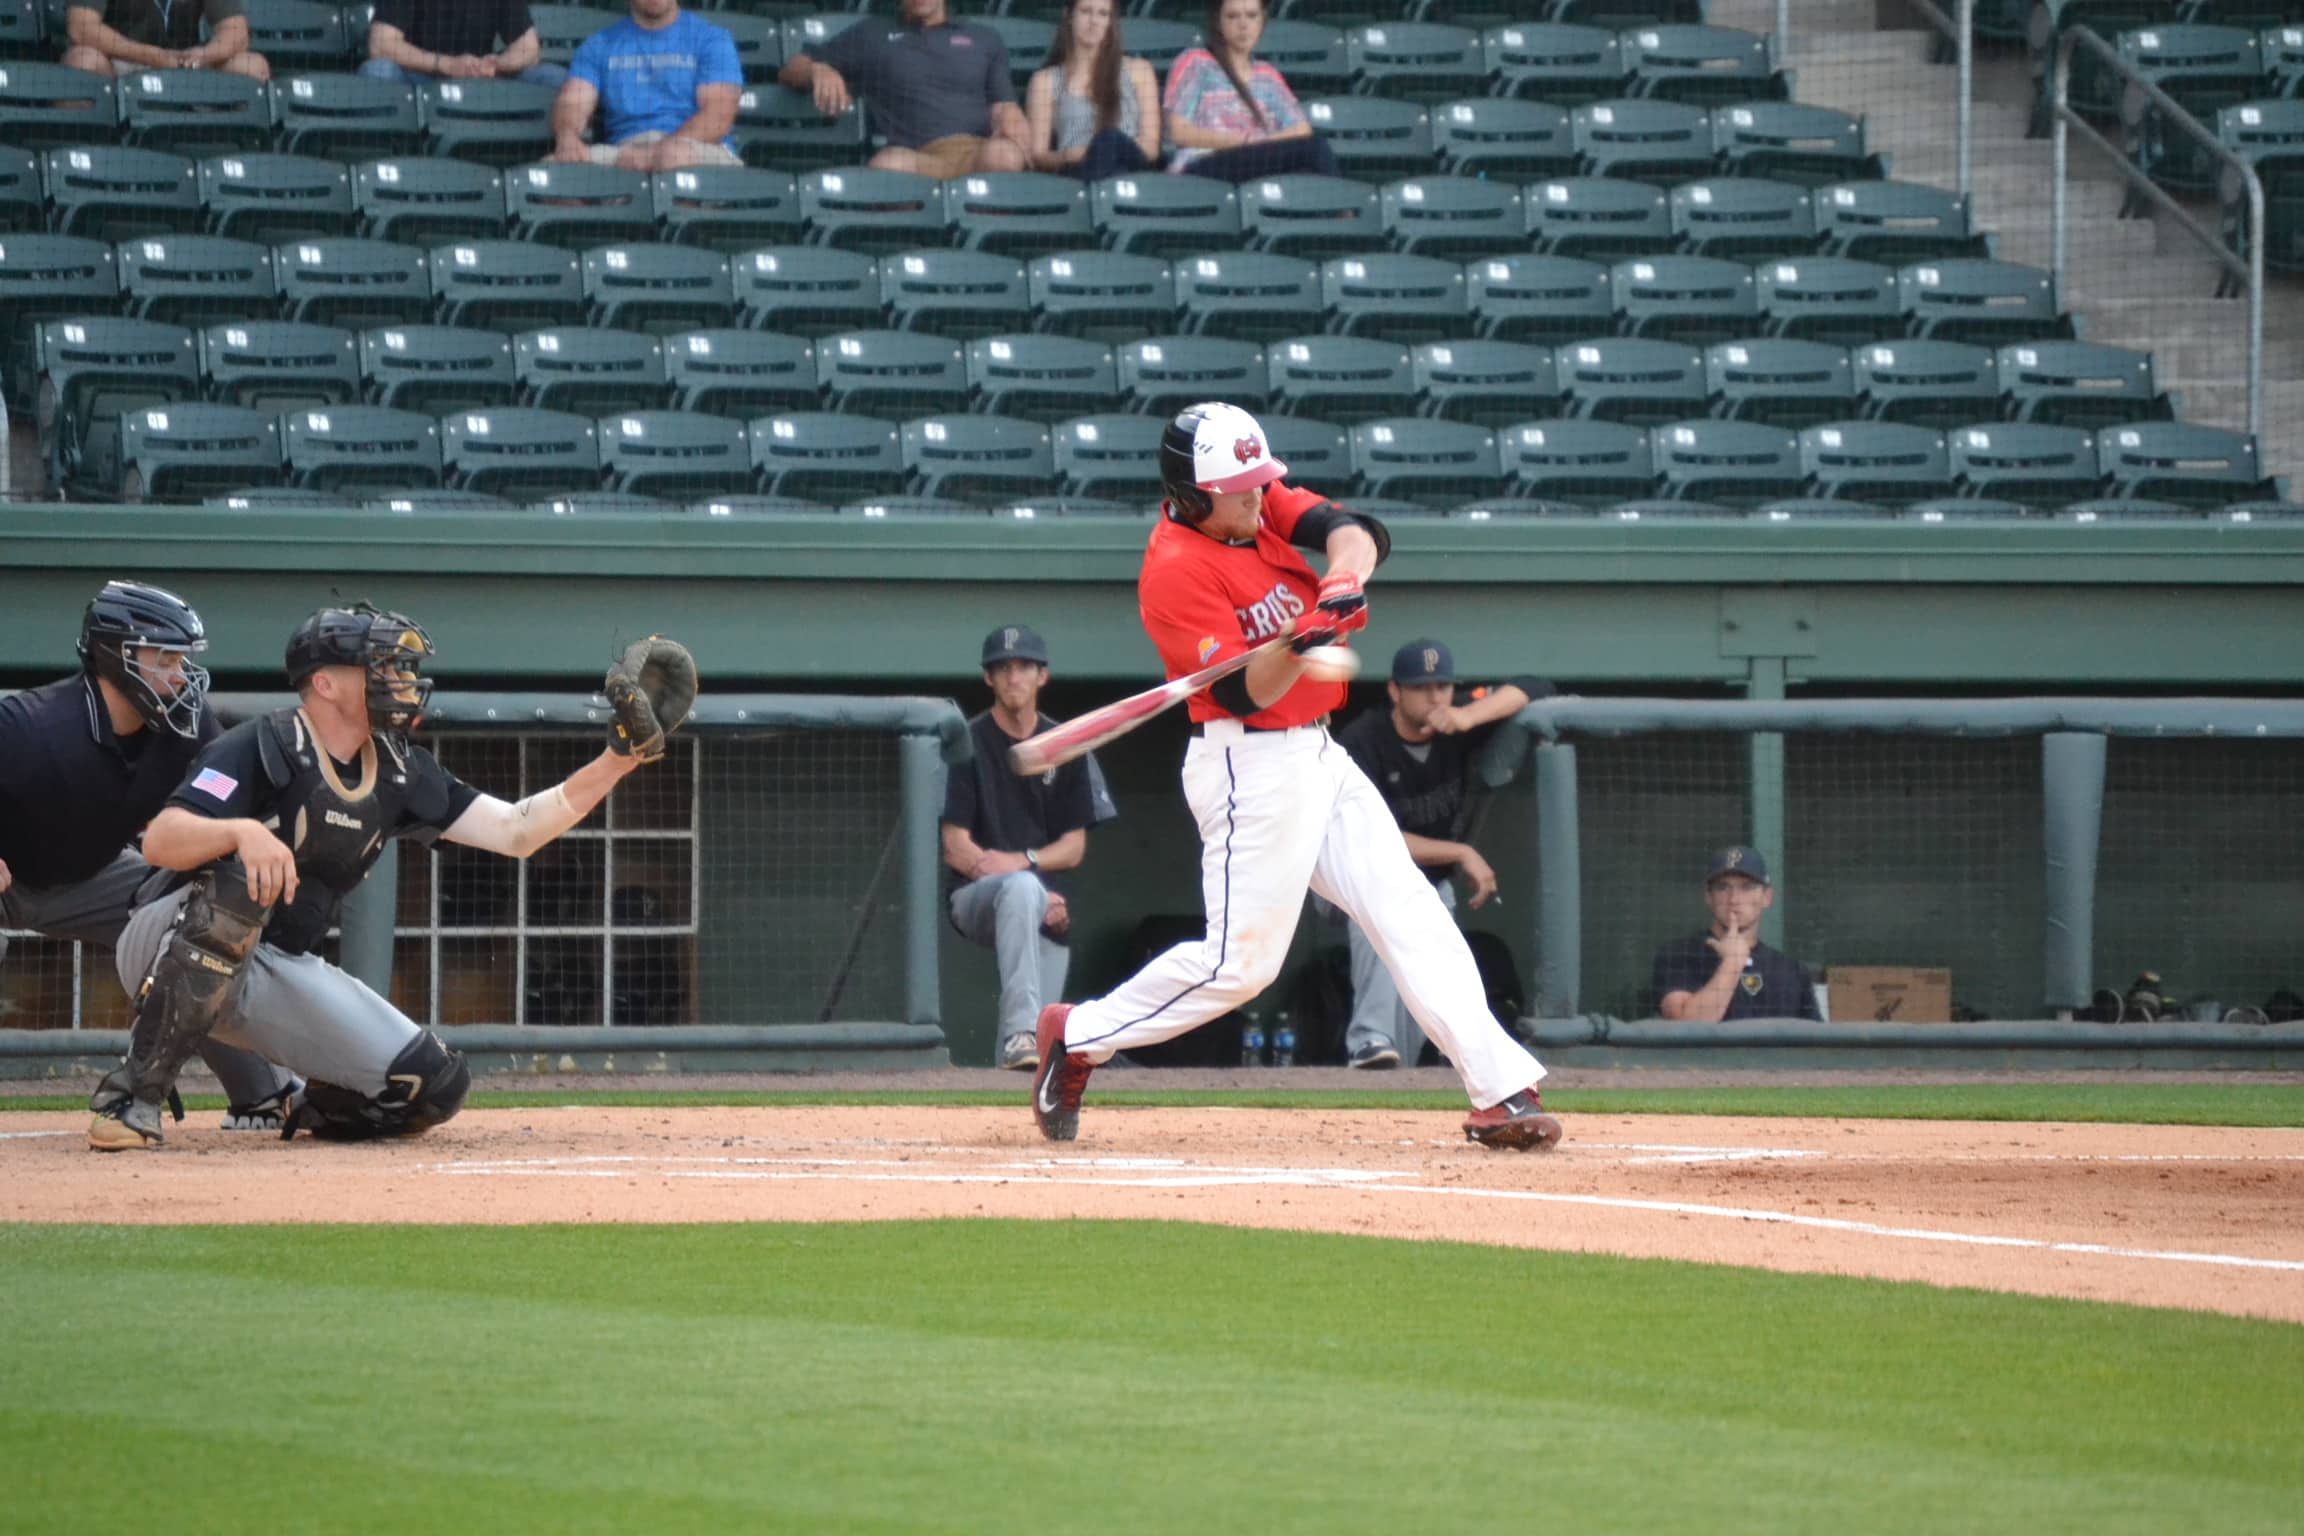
391, 647
130, 613
424, 1086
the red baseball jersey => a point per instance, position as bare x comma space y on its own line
1203, 600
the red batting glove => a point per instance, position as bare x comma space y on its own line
1314, 628
1343, 601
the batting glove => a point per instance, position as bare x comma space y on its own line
1343, 601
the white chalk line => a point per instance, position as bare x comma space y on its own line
30, 1135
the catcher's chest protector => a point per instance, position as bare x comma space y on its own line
337, 833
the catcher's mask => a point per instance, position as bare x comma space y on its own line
390, 647
128, 615
1212, 447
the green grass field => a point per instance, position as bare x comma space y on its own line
1110, 1377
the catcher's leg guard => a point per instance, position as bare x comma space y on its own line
424, 1086
190, 984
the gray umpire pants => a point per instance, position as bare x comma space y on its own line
94, 911
298, 1010
1378, 1015
1004, 913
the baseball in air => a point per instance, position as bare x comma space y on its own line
1332, 663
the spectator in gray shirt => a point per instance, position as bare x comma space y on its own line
938, 91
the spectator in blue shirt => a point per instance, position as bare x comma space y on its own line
665, 85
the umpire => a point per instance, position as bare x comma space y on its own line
84, 764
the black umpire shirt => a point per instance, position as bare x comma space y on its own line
1424, 782
1773, 986
72, 794
1007, 812
455, 27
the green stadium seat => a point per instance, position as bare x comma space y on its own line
726, 208
1374, 138
1111, 456
1509, 509
1417, 61
981, 460
1599, 218
520, 453
2128, 509
353, 283
20, 30
2095, 88
1504, 137
279, 365
280, 498
1160, 375
2270, 136
195, 279
893, 374
1453, 216
495, 122
660, 288
954, 294
1883, 462
1485, 383
438, 369
346, 448
1632, 380
1405, 299
1808, 509
747, 508
1317, 453
1026, 38
1940, 384
193, 111
740, 373
1021, 214
1792, 141
2206, 69
826, 456
1042, 378
1728, 463
1344, 379
1695, 299
1790, 384
2041, 467
1250, 295
1830, 299
1564, 64
779, 129
23, 204
605, 504
1894, 222
1706, 66
1166, 216
299, 35
92, 368
1743, 218
578, 206
678, 455
1433, 463
1987, 302
875, 212
1967, 509
2199, 467
187, 450
419, 503
562, 29
588, 371
507, 285
907, 508
1310, 56
1619, 14
48, 277
109, 193
1101, 295
1540, 298
270, 198
2260, 512
1581, 463
345, 117
44, 105
759, 42
807, 290
2281, 46
428, 202
2080, 384
1041, 508
1661, 142
1310, 216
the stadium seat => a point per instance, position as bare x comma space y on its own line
1310, 56
982, 460
1159, 41
2040, 467
1705, 66
2206, 69
807, 290
507, 285
1540, 298
1020, 214
1809, 146
677, 455
874, 212
92, 368
726, 208
279, 365
1251, 295
2095, 88
2128, 509
1894, 223
825, 456
21, 30
345, 117
1434, 463
44, 105
1310, 216
438, 369
280, 498
2270, 136
1415, 61
1695, 299
360, 447
193, 111
2199, 467
740, 373
1042, 378
779, 129
578, 206
1566, 65
270, 198
187, 450
1882, 462
1373, 138
1486, 383
589, 371
1743, 218
1507, 509
2079, 384
759, 42
1027, 39
1042, 507
354, 283
1453, 216
1599, 219
1110, 456
520, 453
1727, 463
48, 277
1317, 453
909, 507
496, 122
1831, 299
1406, 299
1101, 295
425, 202
1791, 384
109, 193
1967, 509
562, 29
1583, 463
605, 504
1940, 384
194, 279
745, 508
23, 204
1804, 509
1631, 380
660, 288
300, 35
954, 294
1343, 379
1166, 216
417, 503
1504, 137
1661, 142
895, 374
1160, 375
1987, 302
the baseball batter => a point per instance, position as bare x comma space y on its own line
1280, 805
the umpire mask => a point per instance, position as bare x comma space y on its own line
129, 615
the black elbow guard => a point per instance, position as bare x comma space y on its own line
1232, 696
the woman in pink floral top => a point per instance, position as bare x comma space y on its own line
1232, 118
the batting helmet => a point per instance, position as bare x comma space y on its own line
390, 647
1212, 447
129, 613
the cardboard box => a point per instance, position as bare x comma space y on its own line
1888, 994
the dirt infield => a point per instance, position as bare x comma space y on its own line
2211, 1219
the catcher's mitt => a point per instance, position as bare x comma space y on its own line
649, 692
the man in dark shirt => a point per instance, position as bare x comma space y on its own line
456, 40
119, 37
1726, 972
1419, 754
1008, 841
84, 764
938, 91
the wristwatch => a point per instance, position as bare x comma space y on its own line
1031, 859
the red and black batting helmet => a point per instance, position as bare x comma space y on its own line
1212, 447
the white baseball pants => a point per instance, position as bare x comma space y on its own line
1279, 811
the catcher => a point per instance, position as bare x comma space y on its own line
277, 822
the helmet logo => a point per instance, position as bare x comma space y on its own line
1246, 449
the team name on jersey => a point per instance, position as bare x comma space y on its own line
1275, 611
337, 818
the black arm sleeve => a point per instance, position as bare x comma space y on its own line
1232, 695
1314, 524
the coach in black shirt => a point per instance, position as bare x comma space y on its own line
457, 40
1726, 972
1419, 754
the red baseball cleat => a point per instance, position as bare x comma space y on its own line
1519, 1124
1062, 1078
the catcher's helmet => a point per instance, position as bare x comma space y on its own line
1212, 447
129, 613
390, 647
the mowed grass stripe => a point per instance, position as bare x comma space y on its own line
997, 1376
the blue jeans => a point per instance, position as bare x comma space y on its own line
1277, 157
535, 74
1004, 913
1111, 153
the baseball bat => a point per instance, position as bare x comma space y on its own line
1075, 738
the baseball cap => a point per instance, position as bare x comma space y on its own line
1015, 642
1737, 860
1423, 661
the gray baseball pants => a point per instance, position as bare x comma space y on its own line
1004, 913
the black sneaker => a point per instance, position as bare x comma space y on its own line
1378, 1056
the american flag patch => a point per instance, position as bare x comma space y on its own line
216, 785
